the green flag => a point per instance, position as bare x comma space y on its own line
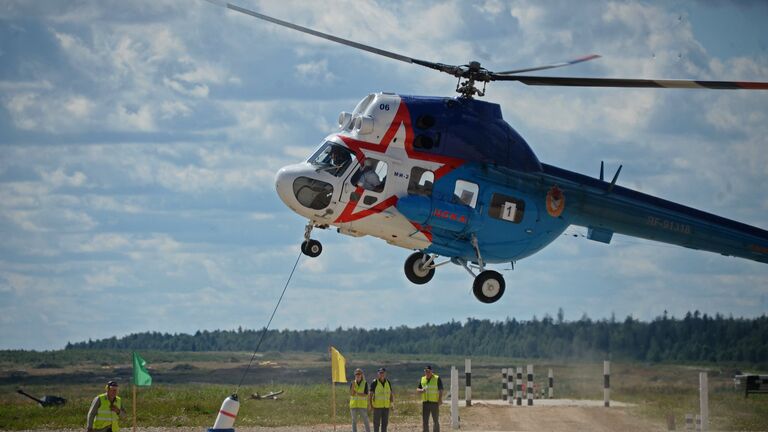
141, 376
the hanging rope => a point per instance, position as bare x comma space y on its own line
264, 332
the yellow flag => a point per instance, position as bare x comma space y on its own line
338, 365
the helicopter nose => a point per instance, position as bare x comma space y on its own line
284, 186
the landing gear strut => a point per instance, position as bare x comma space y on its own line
310, 247
489, 285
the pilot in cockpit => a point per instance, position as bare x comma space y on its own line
338, 156
338, 159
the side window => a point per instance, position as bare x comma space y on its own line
506, 208
372, 175
421, 181
466, 192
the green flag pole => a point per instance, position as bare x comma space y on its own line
134, 407
141, 377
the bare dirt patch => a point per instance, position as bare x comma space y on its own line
554, 418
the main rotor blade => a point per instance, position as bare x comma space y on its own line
438, 66
637, 83
552, 66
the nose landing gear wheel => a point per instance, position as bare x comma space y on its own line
415, 270
488, 286
311, 248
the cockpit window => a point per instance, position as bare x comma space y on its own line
332, 157
311, 193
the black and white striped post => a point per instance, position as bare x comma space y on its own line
530, 385
551, 384
698, 423
468, 374
607, 383
511, 385
519, 380
504, 384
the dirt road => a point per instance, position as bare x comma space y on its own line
496, 419
554, 418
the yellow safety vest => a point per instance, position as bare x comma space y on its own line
431, 392
381, 394
105, 416
359, 400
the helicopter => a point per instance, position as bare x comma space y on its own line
450, 179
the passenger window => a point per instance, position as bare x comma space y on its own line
421, 181
466, 192
506, 208
372, 175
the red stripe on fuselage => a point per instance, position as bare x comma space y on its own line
348, 215
424, 229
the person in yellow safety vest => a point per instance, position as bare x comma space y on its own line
106, 409
381, 398
358, 400
431, 389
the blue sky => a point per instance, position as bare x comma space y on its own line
139, 142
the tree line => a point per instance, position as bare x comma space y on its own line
694, 338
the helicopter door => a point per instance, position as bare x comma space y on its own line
372, 178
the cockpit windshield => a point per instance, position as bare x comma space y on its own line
331, 157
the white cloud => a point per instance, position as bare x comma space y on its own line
59, 178
19, 86
314, 72
194, 90
63, 220
133, 119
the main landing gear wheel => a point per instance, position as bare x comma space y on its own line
488, 286
415, 270
311, 248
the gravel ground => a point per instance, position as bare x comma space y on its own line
574, 416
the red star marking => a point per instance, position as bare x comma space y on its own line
361, 148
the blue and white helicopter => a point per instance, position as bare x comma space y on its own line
450, 179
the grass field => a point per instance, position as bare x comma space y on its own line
189, 387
